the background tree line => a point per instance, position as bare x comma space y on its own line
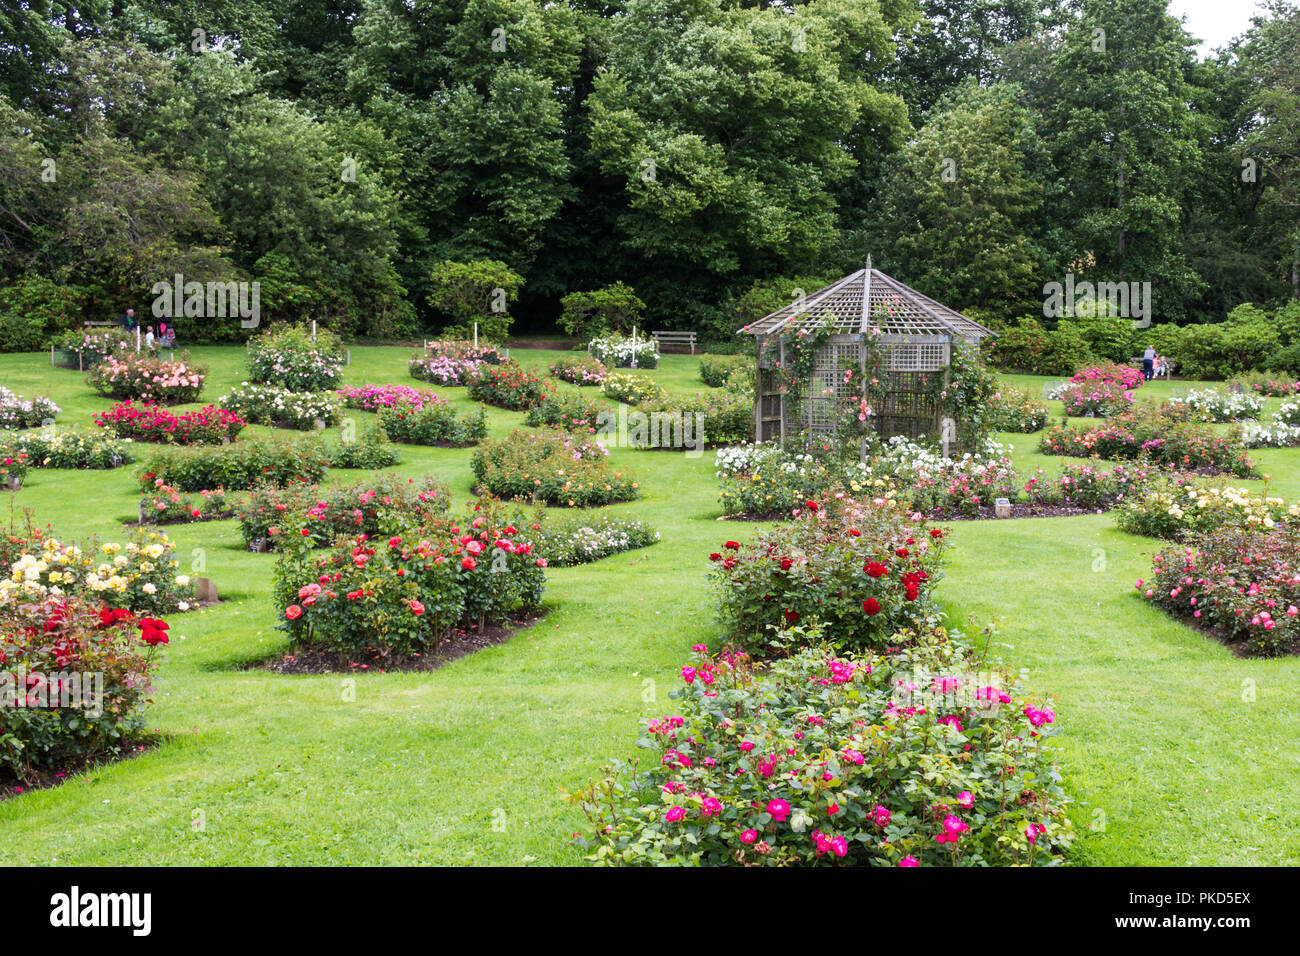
712, 155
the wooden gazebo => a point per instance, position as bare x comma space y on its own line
915, 339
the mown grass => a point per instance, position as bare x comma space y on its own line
1167, 758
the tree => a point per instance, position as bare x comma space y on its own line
961, 212
470, 292
1126, 143
588, 314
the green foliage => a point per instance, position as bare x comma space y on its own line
238, 466
292, 358
1107, 337
471, 292
508, 385
1028, 347
433, 423
716, 370
551, 467
614, 308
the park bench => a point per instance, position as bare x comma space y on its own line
1169, 365
675, 338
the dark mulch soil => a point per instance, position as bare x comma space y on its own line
988, 512
181, 520
11, 786
460, 643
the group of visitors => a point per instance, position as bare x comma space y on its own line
165, 338
1154, 365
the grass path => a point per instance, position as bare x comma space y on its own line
466, 765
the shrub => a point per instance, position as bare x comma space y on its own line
1240, 584
139, 575
290, 358
1028, 347
508, 385
569, 412
371, 452
404, 589
570, 542
275, 514
239, 466
1221, 350
1288, 413
1085, 486
675, 421
165, 505
716, 369
1016, 410
272, 405
1277, 435
863, 571
1174, 509
76, 682
631, 388
763, 481
827, 760
1098, 399
151, 423
618, 351
552, 467
1106, 336
131, 375
68, 448
613, 308
1212, 405
1268, 384
579, 370
19, 412
433, 422
13, 464
473, 292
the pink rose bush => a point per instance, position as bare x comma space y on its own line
1095, 399
1126, 377
910, 759
1243, 585
452, 362
132, 375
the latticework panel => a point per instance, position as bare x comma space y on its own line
906, 408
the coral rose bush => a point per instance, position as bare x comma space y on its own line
862, 570
508, 385
915, 759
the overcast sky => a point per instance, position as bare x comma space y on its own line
1214, 22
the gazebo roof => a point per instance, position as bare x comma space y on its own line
870, 299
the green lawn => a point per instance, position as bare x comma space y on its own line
1166, 760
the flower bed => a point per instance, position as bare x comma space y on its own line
68, 448
570, 412
1155, 437
273, 514
77, 681
583, 370
552, 467
862, 570
239, 466
450, 362
1016, 410
508, 385
1176, 510
1244, 585
1095, 400
402, 590
567, 543
13, 464
132, 375
631, 388
166, 505
152, 423
708, 418
831, 761
1277, 435
763, 481
1212, 405
138, 575
272, 405
19, 412
373, 398
1288, 413
433, 422
1109, 373
618, 351
290, 358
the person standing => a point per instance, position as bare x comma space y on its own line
148, 338
1148, 363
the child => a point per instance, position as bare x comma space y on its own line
148, 338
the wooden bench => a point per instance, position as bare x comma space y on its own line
675, 338
97, 324
1169, 367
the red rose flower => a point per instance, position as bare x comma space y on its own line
871, 606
